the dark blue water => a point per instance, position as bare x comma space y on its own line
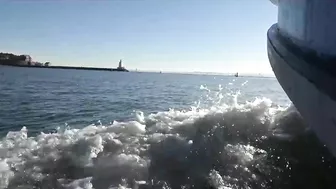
95, 129
47, 98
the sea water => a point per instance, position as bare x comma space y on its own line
76, 129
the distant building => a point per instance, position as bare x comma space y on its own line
38, 64
28, 58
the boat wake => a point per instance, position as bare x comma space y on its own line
225, 145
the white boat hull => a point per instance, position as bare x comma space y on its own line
316, 107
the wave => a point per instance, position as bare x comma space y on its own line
255, 144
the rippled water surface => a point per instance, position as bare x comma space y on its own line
93, 129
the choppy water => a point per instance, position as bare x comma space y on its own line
89, 129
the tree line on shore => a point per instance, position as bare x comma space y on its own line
12, 59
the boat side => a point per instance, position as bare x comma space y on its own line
316, 107
302, 52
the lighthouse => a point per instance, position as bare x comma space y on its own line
120, 67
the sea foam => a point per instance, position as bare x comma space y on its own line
222, 146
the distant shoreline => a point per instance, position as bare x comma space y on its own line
143, 71
69, 68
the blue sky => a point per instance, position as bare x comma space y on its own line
168, 35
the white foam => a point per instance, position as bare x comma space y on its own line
84, 183
122, 154
5, 174
217, 180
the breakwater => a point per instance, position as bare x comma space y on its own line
70, 68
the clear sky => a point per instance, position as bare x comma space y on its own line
168, 35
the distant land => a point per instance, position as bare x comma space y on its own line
207, 73
9, 59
